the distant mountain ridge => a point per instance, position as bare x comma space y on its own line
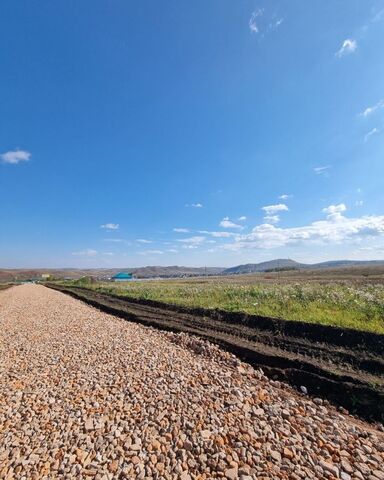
9, 275
286, 263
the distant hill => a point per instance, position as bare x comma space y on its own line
175, 271
286, 263
346, 263
9, 275
281, 263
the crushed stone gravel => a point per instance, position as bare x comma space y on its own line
86, 395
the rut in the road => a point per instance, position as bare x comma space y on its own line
86, 395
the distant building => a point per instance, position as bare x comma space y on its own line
45, 276
122, 277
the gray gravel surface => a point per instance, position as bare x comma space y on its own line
87, 395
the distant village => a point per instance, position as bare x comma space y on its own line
47, 277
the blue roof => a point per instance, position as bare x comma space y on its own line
122, 275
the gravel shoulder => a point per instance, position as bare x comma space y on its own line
84, 394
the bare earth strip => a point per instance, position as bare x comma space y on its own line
86, 395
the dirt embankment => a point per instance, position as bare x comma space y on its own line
342, 365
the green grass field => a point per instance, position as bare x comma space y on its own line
341, 304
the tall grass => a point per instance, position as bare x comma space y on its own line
344, 305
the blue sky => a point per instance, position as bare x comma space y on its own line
192, 132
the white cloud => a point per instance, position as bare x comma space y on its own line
15, 156
181, 230
374, 131
334, 211
110, 226
272, 209
194, 205
226, 223
285, 196
143, 240
88, 252
263, 24
369, 110
336, 229
151, 252
348, 46
242, 218
253, 20
196, 240
172, 250
359, 203
114, 240
219, 234
322, 170
272, 218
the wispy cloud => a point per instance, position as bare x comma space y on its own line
227, 223
151, 252
262, 23
347, 47
272, 218
219, 234
242, 218
110, 226
88, 252
374, 131
278, 22
369, 110
285, 196
194, 205
195, 240
272, 209
14, 157
378, 16
115, 240
253, 20
324, 170
143, 240
181, 230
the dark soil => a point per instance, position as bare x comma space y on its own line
342, 365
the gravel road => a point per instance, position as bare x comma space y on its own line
86, 395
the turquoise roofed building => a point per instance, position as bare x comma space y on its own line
122, 277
